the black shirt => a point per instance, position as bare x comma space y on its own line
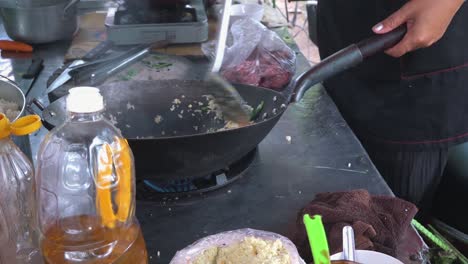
418, 102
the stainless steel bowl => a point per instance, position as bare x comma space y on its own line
11, 92
41, 24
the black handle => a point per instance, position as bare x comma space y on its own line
330, 66
343, 60
41, 108
379, 43
98, 51
34, 69
37, 103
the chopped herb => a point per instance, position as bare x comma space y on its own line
439, 256
159, 57
257, 111
128, 76
156, 65
124, 78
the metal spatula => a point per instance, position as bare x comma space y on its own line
226, 96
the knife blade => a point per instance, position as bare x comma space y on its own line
65, 76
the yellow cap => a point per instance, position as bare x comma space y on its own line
26, 125
4, 126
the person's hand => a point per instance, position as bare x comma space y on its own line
427, 21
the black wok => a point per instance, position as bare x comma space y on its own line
183, 143
178, 140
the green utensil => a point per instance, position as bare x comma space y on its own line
317, 239
436, 240
439, 240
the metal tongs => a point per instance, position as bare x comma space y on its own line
92, 55
98, 75
95, 72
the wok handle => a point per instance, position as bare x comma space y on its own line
379, 43
344, 59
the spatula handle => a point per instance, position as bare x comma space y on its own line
223, 33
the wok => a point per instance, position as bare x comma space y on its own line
172, 140
178, 140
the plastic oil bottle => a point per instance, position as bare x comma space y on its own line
86, 189
18, 229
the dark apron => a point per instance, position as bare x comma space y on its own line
418, 102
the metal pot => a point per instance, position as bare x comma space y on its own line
28, 3
11, 92
41, 24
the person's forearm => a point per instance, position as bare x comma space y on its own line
427, 21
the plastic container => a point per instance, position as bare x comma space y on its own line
190, 253
86, 189
241, 11
18, 230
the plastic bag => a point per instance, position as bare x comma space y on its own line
190, 253
256, 56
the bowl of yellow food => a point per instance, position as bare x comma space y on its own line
241, 246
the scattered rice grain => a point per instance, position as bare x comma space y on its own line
10, 109
158, 119
130, 106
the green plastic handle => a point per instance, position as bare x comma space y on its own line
430, 236
317, 239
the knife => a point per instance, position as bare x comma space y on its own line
31, 75
65, 76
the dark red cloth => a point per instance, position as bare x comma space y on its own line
379, 222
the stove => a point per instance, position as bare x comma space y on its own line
187, 23
160, 190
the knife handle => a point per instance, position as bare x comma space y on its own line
98, 51
34, 69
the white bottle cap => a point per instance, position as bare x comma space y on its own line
84, 100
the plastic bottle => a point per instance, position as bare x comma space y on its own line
86, 189
18, 229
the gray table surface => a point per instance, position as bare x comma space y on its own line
323, 155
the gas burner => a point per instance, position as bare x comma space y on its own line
179, 22
159, 190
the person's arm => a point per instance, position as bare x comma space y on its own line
427, 21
